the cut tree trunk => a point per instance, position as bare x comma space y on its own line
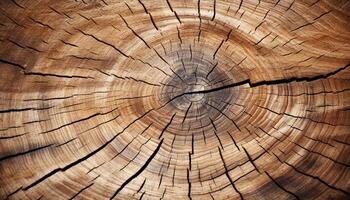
175, 99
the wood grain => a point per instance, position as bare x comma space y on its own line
174, 99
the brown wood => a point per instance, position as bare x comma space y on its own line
174, 99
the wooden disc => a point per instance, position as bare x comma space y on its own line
175, 99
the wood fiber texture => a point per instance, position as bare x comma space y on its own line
175, 99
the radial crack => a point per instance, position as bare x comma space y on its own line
270, 82
144, 166
228, 175
72, 164
166, 126
24, 152
280, 186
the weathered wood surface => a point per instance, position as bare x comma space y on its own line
174, 99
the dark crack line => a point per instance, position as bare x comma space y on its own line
317, 178
17, 4
192, 145
179, 35
23, 69
161, 57
56, 75
120, 77
224, 115
216, 135
250, 159
277, 3
189, 107
68, 43
67, 97
141, 81
218, 49
90, 170
183, 65
143, 193
143, 5
199, 10
239, 7
98, 125
155, 67
13, 21
149, 14
12, 136
23, 109
168, 124
72, 164
189, 185
322, 15
127, 5
16, 110
73, 122
161, 198
143, 183
270, 82
301, 117
56, 11
228, 175
236, 65
258, 42
177, 17
171, 8
24, 152
153, 22
280, 186
126, 146
342, 142
132, 30
212, 123
80, 191
140, 170
228, 35
12, 193
41, 23
160, 181
16, 43
234, 141
320, 154
212, 19
211, 70
104, 42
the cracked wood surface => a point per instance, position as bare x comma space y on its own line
175, 99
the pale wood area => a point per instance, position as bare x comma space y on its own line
174, 99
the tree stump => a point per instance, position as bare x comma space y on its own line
175, 99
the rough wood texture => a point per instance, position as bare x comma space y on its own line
174, 99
